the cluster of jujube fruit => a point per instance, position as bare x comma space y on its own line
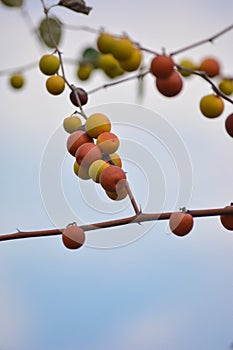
114, 56
94, 147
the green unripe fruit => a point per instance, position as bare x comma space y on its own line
96, 169
211, 106
107, 62
12, 3
133, 62
226, 86
17, 81
186, 63
55, 85
105, 42
49, 64
71, 124
84, 71
122, 49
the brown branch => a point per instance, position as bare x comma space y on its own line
138, 76
21, 69
147, 50
81, 28
204, 76
138, 219
204, 41
132, 199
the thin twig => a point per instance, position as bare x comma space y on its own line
138, 76
81, 28
204, 76
204, 41
71, 86
132, 199
138, 219
30, 24
21, 69
148, 50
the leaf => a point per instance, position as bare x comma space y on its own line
76, 5
91, 55
12, 3
50, 28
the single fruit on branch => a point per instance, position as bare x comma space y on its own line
227, 220
181, 223
73, 237
162, 66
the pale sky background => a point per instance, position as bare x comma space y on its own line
159, 292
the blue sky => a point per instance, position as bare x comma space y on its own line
148, 289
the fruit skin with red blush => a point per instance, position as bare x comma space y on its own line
170, 86
162, 66
227, 220
87, 153
108, 142
181, 223
73, 237
113, 179
76, 139
210, 66
229, 125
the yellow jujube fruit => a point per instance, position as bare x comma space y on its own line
211, 106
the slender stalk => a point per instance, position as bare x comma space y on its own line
132, 199
81, 28
21, 69
204, 41
138, 76
71, 86
204, 76
137, 218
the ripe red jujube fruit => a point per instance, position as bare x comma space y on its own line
73, 237
227, 220
87, 153
170, 86
210, 66
181, 223
162, 66
113, 179
229, 125
82, 94
76, 139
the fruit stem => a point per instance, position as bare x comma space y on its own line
132, 199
